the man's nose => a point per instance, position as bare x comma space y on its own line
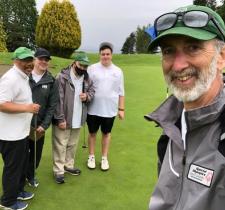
180, 61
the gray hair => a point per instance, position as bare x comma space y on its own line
219, 45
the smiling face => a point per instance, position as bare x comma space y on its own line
25, 65
41, 64
190, 66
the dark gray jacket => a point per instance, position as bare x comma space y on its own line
45, 93
193, 179
64, 109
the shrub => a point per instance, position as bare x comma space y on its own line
58, 28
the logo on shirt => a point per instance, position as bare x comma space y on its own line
44, 86
200, 175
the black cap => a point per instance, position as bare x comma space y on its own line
106, 44
41, 52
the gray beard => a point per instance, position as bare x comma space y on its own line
204, 80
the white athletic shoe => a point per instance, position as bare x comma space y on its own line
91, 162
104, 164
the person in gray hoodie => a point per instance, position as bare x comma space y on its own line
193, 57
75, 92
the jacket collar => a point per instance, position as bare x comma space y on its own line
66, 73
169, 112
46, 78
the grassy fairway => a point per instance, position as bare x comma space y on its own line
132, 175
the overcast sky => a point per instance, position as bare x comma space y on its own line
114, 20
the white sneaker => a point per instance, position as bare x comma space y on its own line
105, 164
91, 162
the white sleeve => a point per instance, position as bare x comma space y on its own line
8, 89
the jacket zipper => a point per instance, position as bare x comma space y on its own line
184, 164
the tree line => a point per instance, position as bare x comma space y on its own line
57, 28
138, 41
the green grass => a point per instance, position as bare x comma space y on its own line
132, 175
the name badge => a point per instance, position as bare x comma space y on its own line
45, 86
200, 175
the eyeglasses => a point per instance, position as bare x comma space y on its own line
192, 19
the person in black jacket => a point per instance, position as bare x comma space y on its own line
45, 93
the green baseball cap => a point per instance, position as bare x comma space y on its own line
82, 58
208, 32
23, 53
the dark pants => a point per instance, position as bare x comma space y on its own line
39, 148
15, 158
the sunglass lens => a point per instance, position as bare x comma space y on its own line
195, 19
165, 21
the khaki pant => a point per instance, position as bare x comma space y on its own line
64, 146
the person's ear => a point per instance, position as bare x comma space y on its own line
221, 59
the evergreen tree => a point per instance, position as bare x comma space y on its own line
142, 40
221, 10
58, 28
200, 2
19, 19
2, 39
209, 3
129, 44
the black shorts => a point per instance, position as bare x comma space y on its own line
94, 122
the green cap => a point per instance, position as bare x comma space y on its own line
22, 53
210, 31
82, 58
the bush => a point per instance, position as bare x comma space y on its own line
2, 39
58, 28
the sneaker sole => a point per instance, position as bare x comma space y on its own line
60, 182
4, 207
72, 173
91, 168
25, 199
23, 207
102, 169
7, 208
63, 182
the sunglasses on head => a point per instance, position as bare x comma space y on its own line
192, 19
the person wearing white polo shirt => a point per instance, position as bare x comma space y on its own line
107, 103
16, 109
